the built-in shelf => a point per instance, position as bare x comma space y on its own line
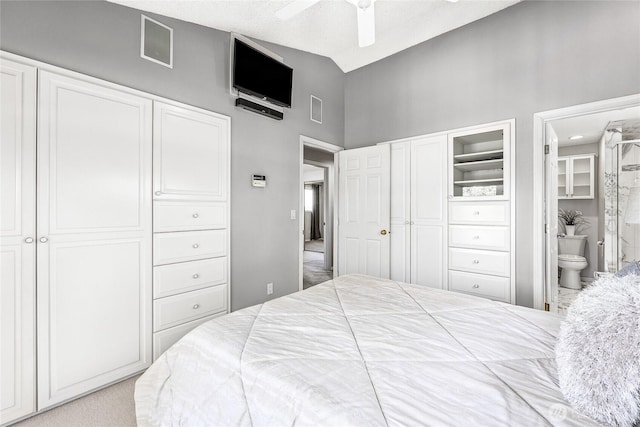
479, 156
572, 174
480, 165
475, 182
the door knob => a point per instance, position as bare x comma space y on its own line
383, 232
43, 240
28, 240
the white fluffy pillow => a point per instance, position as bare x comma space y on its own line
598, 352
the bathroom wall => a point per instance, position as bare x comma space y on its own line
589, 209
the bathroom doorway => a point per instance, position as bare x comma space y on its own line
583, 229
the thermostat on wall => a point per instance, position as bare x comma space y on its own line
259, 181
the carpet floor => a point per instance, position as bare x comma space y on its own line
314, 245
313, 271
110, 407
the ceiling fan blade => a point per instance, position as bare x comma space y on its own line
366, 26
294, 8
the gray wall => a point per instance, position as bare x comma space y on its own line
531, 57
588, 207
103, 40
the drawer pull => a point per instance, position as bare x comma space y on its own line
476, 237
196, 306
195, 276
476, 213
195, 215
476, 261
196, 246
476, 286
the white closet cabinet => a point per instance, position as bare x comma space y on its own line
94, 236
418, 211
191, 217
17, 240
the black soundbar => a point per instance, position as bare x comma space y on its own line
257, 108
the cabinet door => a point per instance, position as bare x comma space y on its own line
17, 256
428, 211
190, 154
582, 177
400, 211
94, 229
564, 178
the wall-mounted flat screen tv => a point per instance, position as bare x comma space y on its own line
260, 75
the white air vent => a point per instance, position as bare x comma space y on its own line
156, 43
316, 109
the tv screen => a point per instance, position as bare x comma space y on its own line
260, 75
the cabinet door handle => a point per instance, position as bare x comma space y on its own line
476, 286
196, 306
43, 240
476, 261
195, 215
158, 193
476, 237
28, 240
196, 246
195, 276
476, 213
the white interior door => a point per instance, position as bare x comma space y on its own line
94, 236
428, 212
364, 211
17, 247
551, 218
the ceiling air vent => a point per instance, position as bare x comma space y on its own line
156, 42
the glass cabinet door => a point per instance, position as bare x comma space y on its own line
564, 181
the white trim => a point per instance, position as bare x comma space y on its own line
144, 18
43, 66
306, 141
311, 109
539, 121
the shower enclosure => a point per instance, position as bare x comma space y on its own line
621, 195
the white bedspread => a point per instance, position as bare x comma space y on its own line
359, 351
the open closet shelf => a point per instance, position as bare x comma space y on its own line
480, 165
479, 156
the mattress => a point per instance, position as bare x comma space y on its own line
361, 351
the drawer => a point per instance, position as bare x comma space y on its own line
472, 236
164, 339
476, 261
498, 288
495, 213
185, 216
173, 279
188, 246
182, 308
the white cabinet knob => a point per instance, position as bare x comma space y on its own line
476, 237
476, 286
158, 193
476, 213
28, 240
196, 246
195, 215
43, 240
195, 276
476, 261
196, 306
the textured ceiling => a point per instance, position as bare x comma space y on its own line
329, 27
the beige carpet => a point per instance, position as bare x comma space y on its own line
109, 407
314, 245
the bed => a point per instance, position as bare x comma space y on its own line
361, 351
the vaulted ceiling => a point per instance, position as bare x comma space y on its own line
329, 27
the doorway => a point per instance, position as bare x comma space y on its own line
317, 206
573, 196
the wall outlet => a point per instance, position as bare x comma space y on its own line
269, 288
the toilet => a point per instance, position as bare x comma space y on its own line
571, 260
